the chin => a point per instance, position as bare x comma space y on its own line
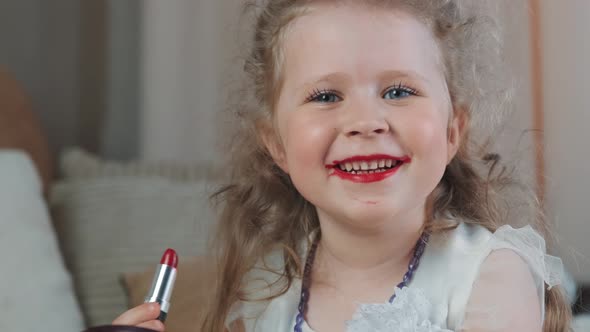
371, 216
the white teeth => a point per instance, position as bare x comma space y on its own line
373, 166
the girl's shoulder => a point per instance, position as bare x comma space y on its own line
453, 261
470, 243
467, 246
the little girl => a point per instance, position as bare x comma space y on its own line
361, 197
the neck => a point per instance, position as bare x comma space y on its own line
347, 254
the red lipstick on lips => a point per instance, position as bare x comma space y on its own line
163, 283
365, 176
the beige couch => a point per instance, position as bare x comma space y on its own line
84, 235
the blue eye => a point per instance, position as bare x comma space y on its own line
399, 92
324, 97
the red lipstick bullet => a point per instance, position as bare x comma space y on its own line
163, 283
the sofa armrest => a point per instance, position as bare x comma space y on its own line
36, 290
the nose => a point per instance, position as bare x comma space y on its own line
366, 122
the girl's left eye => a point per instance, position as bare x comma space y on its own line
399, 92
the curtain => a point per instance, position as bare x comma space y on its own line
187, 52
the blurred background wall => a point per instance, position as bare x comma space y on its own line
565, 33
41, 46
189, 51
146, 79
79, 61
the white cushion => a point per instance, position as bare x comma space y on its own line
117, 224
581, 323
36, 292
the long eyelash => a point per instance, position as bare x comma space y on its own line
317, 92
404, 87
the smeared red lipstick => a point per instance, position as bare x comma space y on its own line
361, 176
170, 258
163, 282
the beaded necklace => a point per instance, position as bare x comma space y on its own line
306, 280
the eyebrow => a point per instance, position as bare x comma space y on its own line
388, 74
408, 74
323, 78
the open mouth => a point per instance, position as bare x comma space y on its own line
367, 168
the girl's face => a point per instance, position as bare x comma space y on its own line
363, 117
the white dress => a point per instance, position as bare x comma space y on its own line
436, 299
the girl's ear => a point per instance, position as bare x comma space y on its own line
272, 143
455, 133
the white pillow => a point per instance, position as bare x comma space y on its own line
581, 323
116, 224
36, 292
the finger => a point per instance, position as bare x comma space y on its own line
137, 315
155, 325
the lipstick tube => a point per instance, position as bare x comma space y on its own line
163, 283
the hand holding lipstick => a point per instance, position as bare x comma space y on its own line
153, 312
144, 315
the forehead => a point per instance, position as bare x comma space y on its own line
359, 40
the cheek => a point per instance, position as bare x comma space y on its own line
426, 139
427, 136
306, 141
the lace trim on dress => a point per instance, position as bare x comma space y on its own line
408, 313
531, 247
